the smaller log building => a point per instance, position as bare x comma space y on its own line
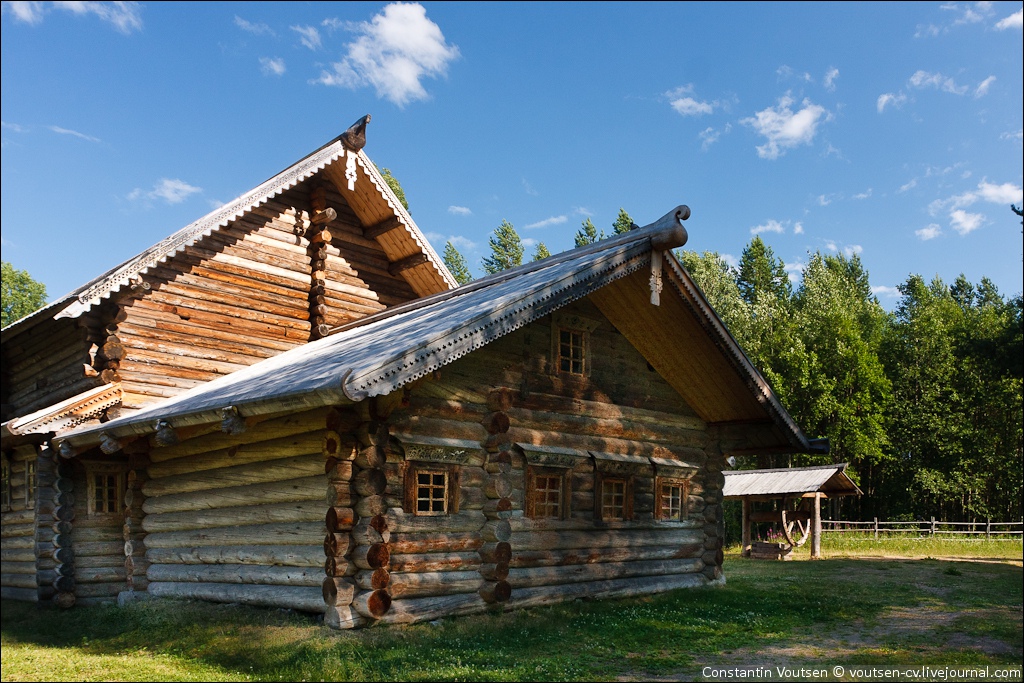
555, 431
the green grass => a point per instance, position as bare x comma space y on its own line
970, 613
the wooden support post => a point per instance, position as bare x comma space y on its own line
745, 549
816, 529
876, 528
931, 530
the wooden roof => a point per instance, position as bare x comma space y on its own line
69, 413
828, 479
682, 338
369, 195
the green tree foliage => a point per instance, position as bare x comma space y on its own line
506, 249
761, 273
395, 186
541, 252
21, 294
588, 234
456, 264
623, 223
718, 282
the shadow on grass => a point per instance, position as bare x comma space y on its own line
763, 603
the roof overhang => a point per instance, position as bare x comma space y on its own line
64, 415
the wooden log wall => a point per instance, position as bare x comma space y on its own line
240, 517
414, 568
49, 363
17, 532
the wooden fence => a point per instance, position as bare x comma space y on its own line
931, 527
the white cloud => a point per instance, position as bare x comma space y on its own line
785, 72
884, 290
771, 226
922, 79
730, 260
795, 270
896, 100
554, 220
983, 87
853, 249
831, 246
909, 185
125, 17
459, 210
583, 211
685, 105
393, 53
1007, 193
798, 228
73, 133
1015, 20
708, 137
530, 242
13, 127
964, 222
930, 231
172, 191
863, 195
255, 29
309, 36
528, 188
784, 128
1018, 135
272, 66
830, 79
824, 200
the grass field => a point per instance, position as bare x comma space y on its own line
888, 607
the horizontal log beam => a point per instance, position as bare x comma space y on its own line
301, 598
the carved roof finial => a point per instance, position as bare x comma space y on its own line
355, 137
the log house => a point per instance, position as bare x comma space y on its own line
554, 431
323, 243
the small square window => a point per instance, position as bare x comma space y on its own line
30, 484
672, 499
572, 351
106, 491
431, 489
613, 499
547, 493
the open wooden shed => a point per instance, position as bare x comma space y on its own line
795, 494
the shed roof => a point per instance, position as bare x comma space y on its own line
372, 201
380, 353
828, 479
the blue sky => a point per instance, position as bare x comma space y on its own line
885, 129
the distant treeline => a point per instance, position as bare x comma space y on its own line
925, 403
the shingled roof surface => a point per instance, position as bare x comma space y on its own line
380, 353
830, 479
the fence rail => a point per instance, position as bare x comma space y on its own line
930, 527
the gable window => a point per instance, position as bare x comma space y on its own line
5, 485
572, 351
431, 489
30, 484
547, 493
106, 491
671, 499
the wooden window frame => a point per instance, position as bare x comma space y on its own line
5, 485
412, 487
602, 478
584, 352
91, 472
563, 476
659, 505
30, 484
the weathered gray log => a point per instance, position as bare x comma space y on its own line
614, 588
553, 558
564, 540
371, 556
499, 508
494, 553
498, 486
494, 572
22, 594
434, 543
365, 533
339, 519
471, 499
337, 545
371, 506
413, 610
239, 475
302, 598
401, 522
545, 576
496, 530
298, 534
291, 490
253, 514
434, 562
339, 494
495, 591
339, 566
425, 584
115, 548
342, 617
18, 580
17, 554
337, 591
100, 575
370, 482
372, 604
99, 590
277, 449
283, 555
236, 573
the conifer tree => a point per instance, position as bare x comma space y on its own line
395, 186
624, 223
456, 264
506, 249
541, 252
587, 234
